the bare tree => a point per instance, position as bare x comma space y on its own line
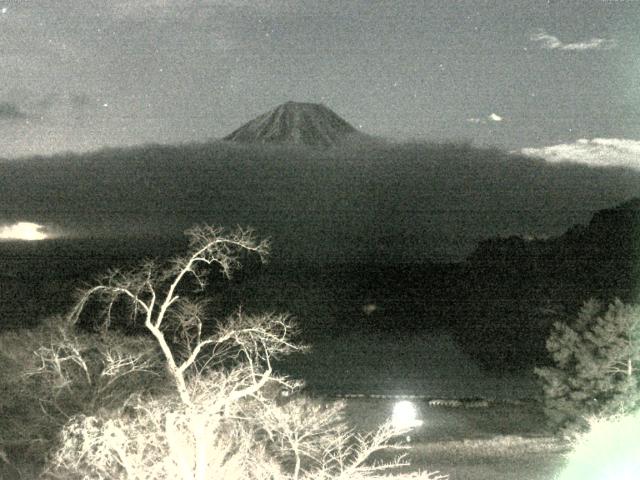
220, 418
154, 293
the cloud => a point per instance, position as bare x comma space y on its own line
11, 111
143, 9
493, 117
551, 42
36, 104
598, 152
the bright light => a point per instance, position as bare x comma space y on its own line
609, 451
22, 231
405, 415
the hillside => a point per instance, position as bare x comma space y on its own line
603, 255
515, 288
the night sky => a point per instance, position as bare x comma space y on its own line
79, 74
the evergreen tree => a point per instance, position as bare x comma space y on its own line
597, 365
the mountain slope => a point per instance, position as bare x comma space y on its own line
514, 288
293, 123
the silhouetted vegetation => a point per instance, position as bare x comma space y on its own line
596, 365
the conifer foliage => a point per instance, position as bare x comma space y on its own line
597, 365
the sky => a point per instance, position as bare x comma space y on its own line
560, 79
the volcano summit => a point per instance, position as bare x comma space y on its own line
293, 123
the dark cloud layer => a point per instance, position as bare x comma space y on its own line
406, 202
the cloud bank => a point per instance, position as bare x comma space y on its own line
493, 117
395, 202
597, 152
551, 42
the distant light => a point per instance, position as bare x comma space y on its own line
405, 416
23, 231
369, 308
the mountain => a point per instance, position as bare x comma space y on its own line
603, 256
515, 288
294, 123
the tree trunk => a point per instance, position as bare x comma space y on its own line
296, 470
173, 369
